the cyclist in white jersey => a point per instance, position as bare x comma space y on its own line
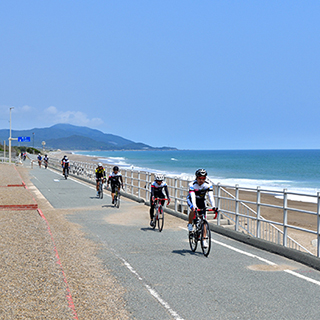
197, 194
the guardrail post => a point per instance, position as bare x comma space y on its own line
148, 178
126, 180
285, 217
175, 194
258, 235
318, 223
236, 211
139, 176
131, 182
218, 203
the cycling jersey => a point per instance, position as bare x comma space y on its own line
197, 193
115, 178
65, 163
157, 190
100, 173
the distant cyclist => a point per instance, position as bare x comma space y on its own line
157, 188
39, 159
45, 160
65, 165
197, 194
100, 174
115, 180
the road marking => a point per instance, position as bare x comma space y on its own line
296, 274
153, 292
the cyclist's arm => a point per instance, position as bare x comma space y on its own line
211, 198
193, 198
166, 190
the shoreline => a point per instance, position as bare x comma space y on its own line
301, 220
294, 195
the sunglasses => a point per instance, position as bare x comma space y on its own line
202, 178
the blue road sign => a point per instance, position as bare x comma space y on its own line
24, 139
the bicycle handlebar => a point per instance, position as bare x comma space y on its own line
160, 199
215, 210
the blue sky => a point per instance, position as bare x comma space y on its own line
189, 74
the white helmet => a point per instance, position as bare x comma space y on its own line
159, 177
99, 164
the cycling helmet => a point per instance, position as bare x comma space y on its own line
201, 173
99, 164
115, 168
158, 177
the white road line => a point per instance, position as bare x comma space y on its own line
82, 183
153, 292
263, 260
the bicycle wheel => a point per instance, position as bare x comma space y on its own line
118, 201
205, 246
160, 218
193, 239
101, 190
155, 217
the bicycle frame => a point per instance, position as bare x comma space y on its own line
159, 214
201, 231
100, 181
117, 197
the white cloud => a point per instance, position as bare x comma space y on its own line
26, 108
72, 117
51, 110
27, 117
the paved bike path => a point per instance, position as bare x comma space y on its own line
165, 280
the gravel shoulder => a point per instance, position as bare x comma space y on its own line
33, 278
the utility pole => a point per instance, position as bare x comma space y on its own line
10, 138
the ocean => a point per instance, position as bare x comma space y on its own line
294, 170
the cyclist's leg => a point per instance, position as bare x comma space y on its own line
151, 209
113, 191
192, 212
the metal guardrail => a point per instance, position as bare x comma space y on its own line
244, 215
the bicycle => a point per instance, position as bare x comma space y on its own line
66, 172
100, 191
158, 218
117, 197
200, 227
45, 164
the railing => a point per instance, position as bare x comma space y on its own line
251, 211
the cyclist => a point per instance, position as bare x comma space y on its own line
39, 159
45, 159
100, 174
196, 197
62, 160
157, 188
65, 165
115, 179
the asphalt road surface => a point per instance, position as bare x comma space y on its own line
165, 280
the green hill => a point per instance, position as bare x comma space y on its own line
70, 137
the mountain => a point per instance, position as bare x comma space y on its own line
70, 137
